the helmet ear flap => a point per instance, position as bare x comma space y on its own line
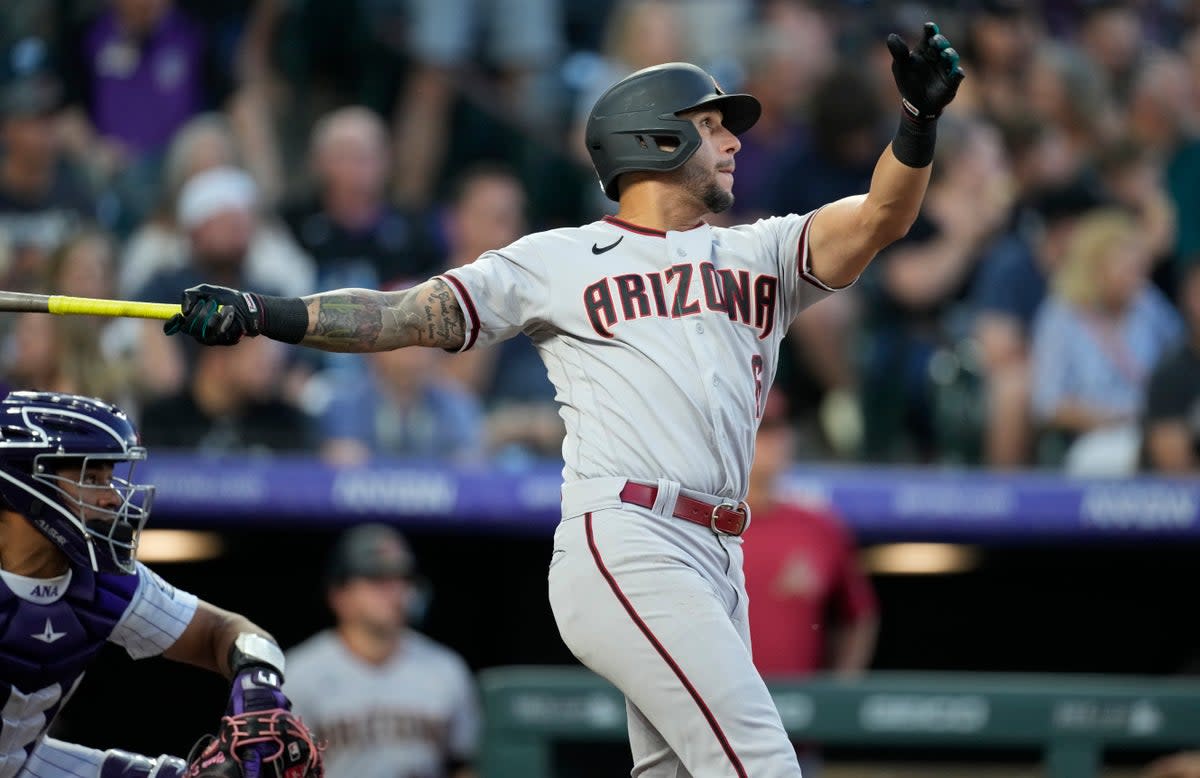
664, 147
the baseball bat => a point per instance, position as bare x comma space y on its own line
83, 306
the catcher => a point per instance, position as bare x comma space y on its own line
70, 516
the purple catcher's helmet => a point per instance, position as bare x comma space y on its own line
42, 433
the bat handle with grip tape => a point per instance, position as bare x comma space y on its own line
64, 305
19, 302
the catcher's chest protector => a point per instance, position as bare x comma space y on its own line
49, 632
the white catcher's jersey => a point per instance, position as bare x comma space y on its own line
661, 346
402, 719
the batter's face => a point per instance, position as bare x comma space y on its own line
708, 174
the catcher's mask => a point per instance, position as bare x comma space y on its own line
66, 464
635, 125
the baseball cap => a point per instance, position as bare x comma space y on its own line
369, 551
214, 191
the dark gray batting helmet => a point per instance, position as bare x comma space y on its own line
639, 114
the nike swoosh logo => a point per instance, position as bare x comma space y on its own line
597, 250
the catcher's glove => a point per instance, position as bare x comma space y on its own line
270, 743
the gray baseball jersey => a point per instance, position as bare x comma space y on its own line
402, 719
660, 345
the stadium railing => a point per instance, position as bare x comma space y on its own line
1072, 720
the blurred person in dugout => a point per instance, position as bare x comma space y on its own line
801, 569
1171, 420
486, 212
387, 701
1095, 341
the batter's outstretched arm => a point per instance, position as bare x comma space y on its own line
355, 320
846, 235
367, 320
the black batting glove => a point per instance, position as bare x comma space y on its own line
216, 315
927, 77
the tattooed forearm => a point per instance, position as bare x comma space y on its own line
366, 320
350, 317
444, 323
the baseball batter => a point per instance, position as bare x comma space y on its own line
661, 335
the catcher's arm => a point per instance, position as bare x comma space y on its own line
259, 736
209, 637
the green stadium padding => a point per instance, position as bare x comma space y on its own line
1071, 718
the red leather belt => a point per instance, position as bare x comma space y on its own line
724, 518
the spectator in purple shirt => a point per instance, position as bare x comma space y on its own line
143, 72
137, 73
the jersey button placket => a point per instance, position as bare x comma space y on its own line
698, 346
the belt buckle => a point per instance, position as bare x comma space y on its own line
742, 507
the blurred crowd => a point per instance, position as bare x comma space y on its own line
1044, 311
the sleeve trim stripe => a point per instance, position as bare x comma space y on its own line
469, 305
804, 260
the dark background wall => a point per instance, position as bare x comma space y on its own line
1105, 609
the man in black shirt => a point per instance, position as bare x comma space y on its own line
1172, 419
231, 406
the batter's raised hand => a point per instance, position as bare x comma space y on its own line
928, 76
